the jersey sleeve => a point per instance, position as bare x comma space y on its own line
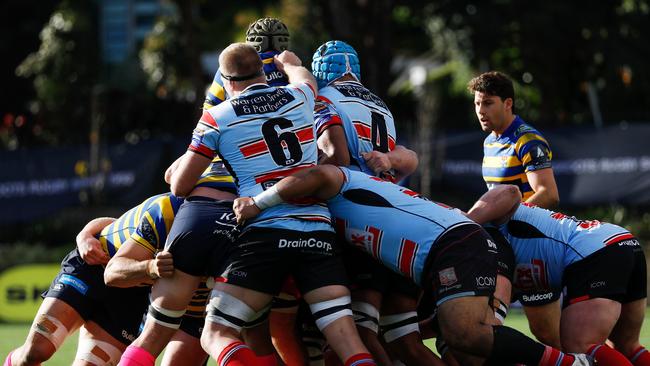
205, 136
534, 152
146, 235
216, 93
325, 116
306, 92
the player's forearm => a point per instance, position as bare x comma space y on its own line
496, 204
299, 74
93, 228
544, 198
127, 272
403, 161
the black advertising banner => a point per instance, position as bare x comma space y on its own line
610, 165
39, 182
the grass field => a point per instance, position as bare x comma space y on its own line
13, 335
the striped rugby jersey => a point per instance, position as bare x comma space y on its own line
148, 224
263, 135
365, 118
392, 223
508, 157
546, 242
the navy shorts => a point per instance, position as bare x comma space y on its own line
119, 311
201, 236
263, 258
462, 262
616, 272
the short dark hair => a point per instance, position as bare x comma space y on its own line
493, 83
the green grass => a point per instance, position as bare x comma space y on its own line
13, 335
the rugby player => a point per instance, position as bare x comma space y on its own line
109, 318
356, 129
434, 245
516, 153
264, 133
602, 267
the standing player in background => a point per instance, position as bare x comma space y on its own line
270, 37
516, 153
109, 317
264, 133
600, 266
356, 129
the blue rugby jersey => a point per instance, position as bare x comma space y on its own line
274, 77
367, 121
148, 224
392, 223
546, 242
508, 157
263, 135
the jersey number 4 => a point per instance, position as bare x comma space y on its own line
379, 133
284, 146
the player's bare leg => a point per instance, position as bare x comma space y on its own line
96, 347
626, 332
544, 322
184, 349
54, 321
369, 300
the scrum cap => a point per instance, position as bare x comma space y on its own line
268, 34
334, 59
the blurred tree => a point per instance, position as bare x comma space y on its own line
64, 70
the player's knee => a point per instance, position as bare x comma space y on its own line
329, 311
51, 333
366, 316
165, 317
398, 325
97, 352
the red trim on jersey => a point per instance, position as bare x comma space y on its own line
312, 90
207, 118
305, 134
362, 130
376, 240
391, 143
279, 174
333, 121
202, 150
254, 148
407, 256
320, 97
619, 238
579, 299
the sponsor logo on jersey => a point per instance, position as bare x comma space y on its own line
483, 281
537, 297
447, 276
305, 243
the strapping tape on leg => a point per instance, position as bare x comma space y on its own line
366, 315
325, 312
398, 325
98, 352
165, 317
228, 310
51, 328
260, 317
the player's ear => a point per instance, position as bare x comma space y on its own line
508, 104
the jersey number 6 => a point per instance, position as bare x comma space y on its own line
280, 142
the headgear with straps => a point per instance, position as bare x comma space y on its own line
268, 34
333, 60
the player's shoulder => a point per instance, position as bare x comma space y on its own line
523, 128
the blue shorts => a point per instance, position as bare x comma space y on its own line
119, 311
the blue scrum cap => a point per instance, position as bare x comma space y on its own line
334, 59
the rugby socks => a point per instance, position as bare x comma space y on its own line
8, 360
511, 346
607, 356
136, 356
238, 354
268, 360
640, 357
360, 359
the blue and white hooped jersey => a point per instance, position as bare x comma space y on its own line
367, 121
373, 214
546, 242
274, 77
263, 135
